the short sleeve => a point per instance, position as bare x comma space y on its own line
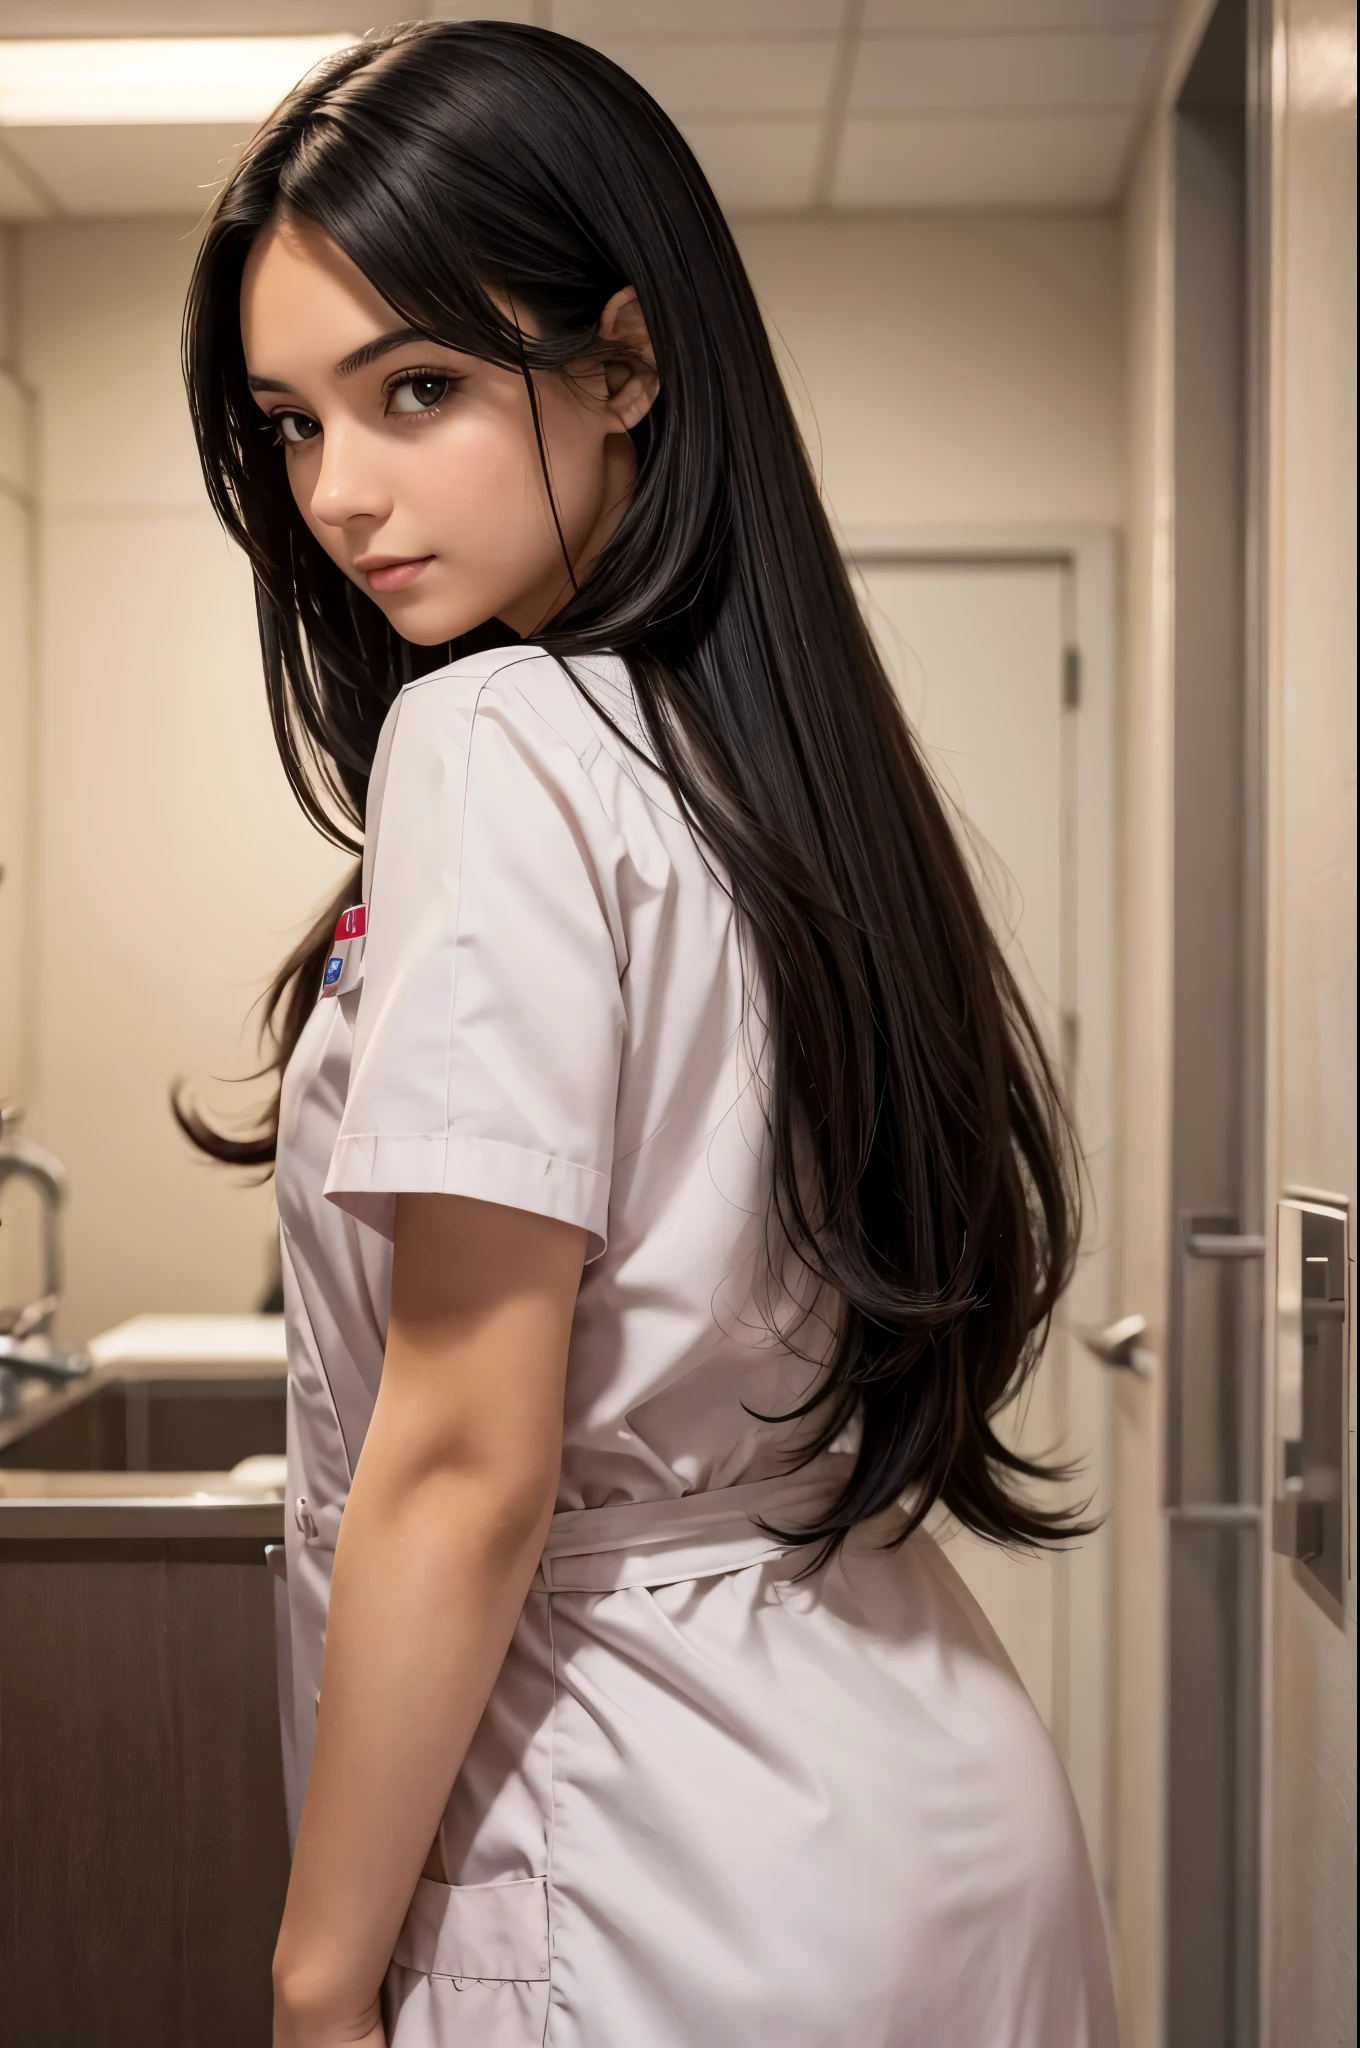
489, 1024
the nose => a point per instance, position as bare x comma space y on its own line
350, 484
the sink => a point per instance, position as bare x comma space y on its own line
155, 1425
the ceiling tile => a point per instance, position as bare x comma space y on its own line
593, 20
231, 17
128, 171
1011, 161
729, 78
1003, 71
757, 166
964, 15
18, 199
522, 11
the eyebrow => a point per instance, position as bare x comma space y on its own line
371, 350
358, 359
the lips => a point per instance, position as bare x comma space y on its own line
392, 572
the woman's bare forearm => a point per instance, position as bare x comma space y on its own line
439, 1542
427, 1592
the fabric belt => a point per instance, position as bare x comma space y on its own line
655, 1542
318, 1522
694, 1536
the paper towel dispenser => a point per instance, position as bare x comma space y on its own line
1312, 1390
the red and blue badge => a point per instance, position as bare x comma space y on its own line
344, 964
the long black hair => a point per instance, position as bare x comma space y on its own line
923, 1165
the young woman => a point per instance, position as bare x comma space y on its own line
672, 1185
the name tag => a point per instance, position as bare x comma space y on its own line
344, 967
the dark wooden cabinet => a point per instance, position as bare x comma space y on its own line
143, 1845
145, 1854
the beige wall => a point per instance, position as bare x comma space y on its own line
18, 1241
1311, 1662
15, 729
9, 294
172, 866
15, 578
959, 371
953, 371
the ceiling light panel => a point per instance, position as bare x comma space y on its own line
154, 81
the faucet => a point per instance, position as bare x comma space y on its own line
26, 1346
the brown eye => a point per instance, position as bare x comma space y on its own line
295, 427
418, 392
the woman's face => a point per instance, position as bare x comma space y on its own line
416, 467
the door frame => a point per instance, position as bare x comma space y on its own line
1084, 1589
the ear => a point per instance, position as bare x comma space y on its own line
632, 379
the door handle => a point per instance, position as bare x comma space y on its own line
1217, 1239
1118, 1346
1223, 1244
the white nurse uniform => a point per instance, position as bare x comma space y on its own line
708, 1805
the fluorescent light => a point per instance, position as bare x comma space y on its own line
153, 81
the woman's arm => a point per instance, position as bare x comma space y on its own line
440, 1539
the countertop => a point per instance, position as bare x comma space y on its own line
146, 1505
179, 1347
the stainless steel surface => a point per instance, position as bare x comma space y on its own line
21, 1161
26, 1354
28, 1321
27, 1346
140, 1519
1214, 1241
121, 1421
1213, 1348
125, 1458
1217, 1514
1207, 1244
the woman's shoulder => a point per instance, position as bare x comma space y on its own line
576, 717
533, 692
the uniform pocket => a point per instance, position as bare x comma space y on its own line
471, 1964
495, 1932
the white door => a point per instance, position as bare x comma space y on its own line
982, 651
